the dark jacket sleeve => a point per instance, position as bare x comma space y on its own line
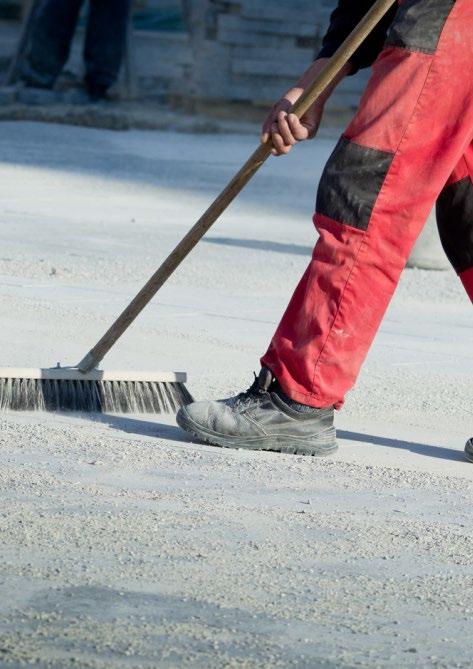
342, 21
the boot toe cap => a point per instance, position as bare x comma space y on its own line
213, 417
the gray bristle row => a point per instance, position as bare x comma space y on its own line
92, 396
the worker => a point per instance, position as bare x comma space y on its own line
408, 146
53, 27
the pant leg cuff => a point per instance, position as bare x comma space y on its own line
288, 386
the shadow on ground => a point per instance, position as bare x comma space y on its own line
420, 449
261, 245
150, 428
197, 164
95, 625
146, 428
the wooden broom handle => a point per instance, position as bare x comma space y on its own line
236, 185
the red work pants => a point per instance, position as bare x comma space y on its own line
409, 145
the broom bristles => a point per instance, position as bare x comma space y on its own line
50, 394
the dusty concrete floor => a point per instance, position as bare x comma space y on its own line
122, 543
123, 546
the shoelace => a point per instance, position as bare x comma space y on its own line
243, 399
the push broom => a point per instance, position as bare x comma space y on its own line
87, 388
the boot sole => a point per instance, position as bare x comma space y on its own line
323, 444
469, 450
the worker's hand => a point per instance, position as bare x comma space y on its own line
284, 128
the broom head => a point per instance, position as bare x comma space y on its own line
68, 389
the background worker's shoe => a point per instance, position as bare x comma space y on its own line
469, 450
262, 418
96, 92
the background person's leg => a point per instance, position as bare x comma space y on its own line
50, 41
414, 124
105, 43
455, 220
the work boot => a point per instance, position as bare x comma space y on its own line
263, 418
469, 450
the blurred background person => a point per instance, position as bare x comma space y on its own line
53, 26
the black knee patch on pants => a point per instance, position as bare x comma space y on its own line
455, 223
419, 24
351, 182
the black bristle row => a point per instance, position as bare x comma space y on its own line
92, 396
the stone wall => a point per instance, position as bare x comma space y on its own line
252, 50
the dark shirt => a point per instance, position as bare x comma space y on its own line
342, 21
